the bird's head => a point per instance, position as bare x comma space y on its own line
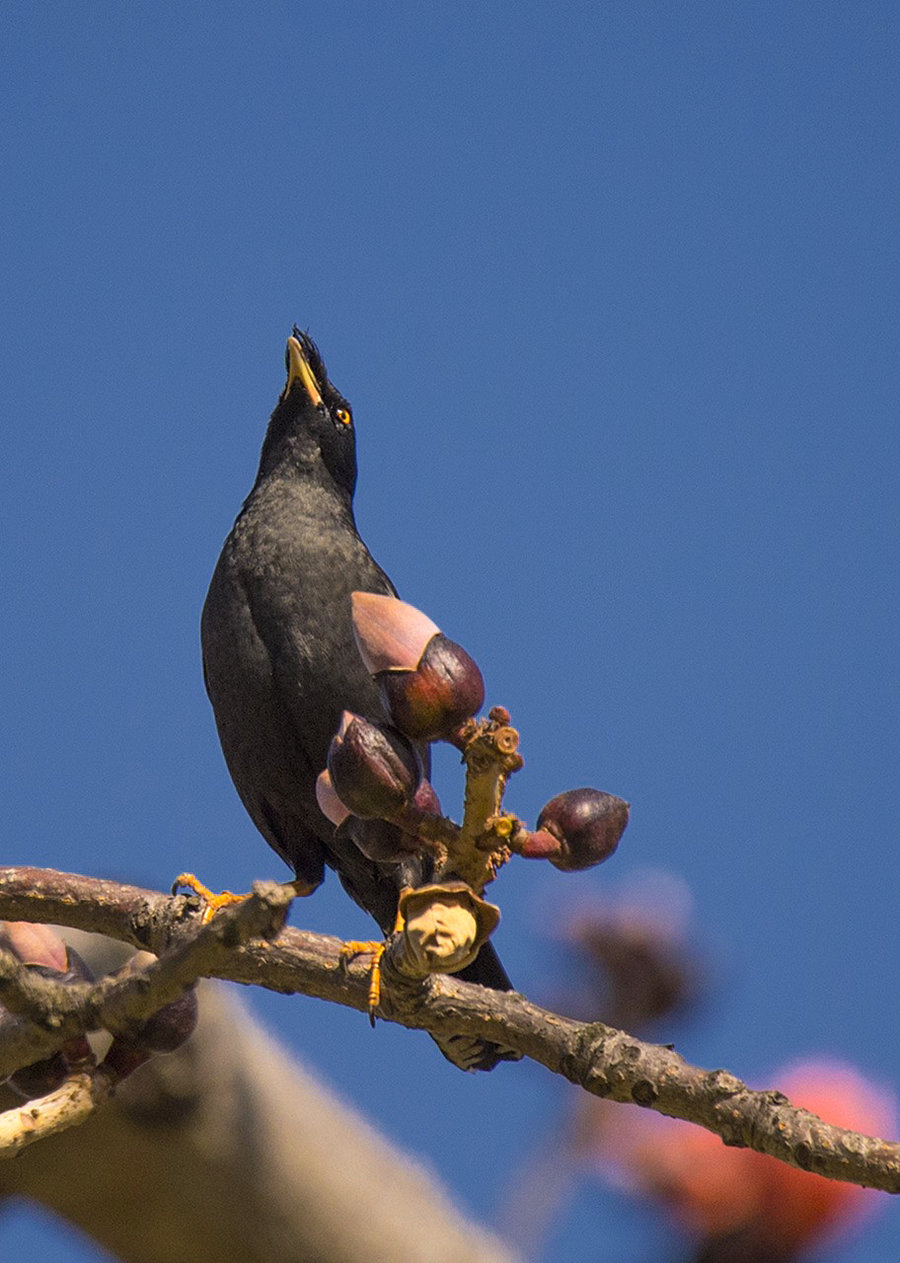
312, 424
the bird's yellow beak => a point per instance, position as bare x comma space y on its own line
298, 369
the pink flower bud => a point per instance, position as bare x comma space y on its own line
329, 803
588, 824
374, 771
390, 635
41, 949
34, 944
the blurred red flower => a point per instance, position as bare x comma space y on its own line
718, 1193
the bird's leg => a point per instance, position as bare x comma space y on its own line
376, 950
213, 903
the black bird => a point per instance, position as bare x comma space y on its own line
279, 658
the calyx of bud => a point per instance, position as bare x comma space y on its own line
445, 925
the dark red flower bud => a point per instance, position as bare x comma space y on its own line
387, 842
123, 1058
429, 684
588, 824
381, 841
373, 770
163, 1032
40, 1077
430, 703
170, 1027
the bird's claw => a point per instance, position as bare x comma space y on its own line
212, 903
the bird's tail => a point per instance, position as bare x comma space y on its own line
466, 1051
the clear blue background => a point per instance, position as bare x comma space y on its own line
613, 290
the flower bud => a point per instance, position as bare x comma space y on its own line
429, 685
588, 825
390, 634
170, 1027
430, 703
329, 803
123, 1058
388, 842
43, 951
34, 945
381, 841
373, 770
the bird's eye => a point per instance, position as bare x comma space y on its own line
342, 415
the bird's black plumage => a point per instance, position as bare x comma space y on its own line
279, 657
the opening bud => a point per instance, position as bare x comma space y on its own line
588, 824
429, 684
374, 771
41, 949
35, 945
390, 634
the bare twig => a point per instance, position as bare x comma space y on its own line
69, 1105
604, 1061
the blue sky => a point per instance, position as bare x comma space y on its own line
613, 291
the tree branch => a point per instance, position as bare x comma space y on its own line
607, 1062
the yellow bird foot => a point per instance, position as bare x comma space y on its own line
212, 903
376, 950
